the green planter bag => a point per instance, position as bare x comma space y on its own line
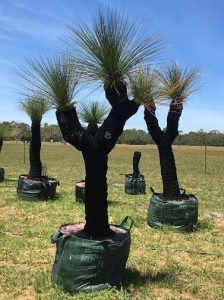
134, 186
89, 265
33, 190
80, 191
2, 172
179, 215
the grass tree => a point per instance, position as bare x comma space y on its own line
176, 85
104, 53
35, 107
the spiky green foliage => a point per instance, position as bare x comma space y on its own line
111, 47
177, 84
34, 107
144, 85
54, 79
92, 112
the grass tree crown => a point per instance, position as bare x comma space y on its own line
92, 112
35, 108
111, 48
144, 86
53, 79
177, 83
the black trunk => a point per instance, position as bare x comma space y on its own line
34, 153
96, 192
95, 146
164, 140
1, 144
136, 159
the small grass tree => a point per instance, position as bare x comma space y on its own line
35, 107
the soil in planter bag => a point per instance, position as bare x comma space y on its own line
134, 186
89, 265
179, 215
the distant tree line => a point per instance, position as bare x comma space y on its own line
199, 138
22, 132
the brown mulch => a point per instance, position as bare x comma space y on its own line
77, 230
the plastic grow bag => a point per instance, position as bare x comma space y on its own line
89, 265
2, 172
36, 190
134, 186
80, 191
179, 215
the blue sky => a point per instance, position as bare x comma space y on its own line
193, 28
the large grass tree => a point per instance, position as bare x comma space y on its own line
103, 53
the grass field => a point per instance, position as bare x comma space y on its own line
162, 265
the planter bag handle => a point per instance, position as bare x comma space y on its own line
183, 191
57, 236
152, 189
123, 223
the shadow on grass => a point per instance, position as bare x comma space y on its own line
114, 203
134, 278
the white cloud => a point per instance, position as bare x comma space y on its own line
23, 7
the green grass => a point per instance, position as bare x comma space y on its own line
162, 264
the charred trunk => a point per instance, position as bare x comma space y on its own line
96, 193
34, 153
171, 188
136, 159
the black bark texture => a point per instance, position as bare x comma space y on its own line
34, 152
96, 144
136, 159
164, 140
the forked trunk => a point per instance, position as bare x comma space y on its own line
34, 152
95, 146
164, 140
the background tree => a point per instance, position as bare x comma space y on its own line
5, 133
